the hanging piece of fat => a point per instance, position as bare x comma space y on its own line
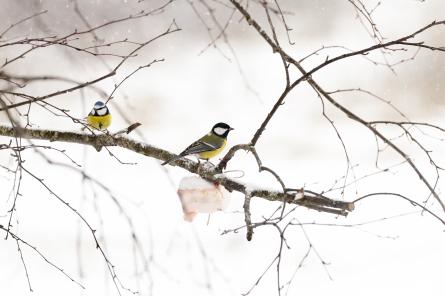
200, 196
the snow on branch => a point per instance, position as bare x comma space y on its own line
306, 198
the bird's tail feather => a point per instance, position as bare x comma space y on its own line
170, 160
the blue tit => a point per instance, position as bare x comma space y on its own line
99, 117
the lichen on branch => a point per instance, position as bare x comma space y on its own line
309, 199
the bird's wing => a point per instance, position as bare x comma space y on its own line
198, 147
206, 143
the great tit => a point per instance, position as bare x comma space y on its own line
209, 145
99, 117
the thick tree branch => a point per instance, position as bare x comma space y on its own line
309, 199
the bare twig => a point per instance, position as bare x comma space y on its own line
30, 99
247, 216
307, 76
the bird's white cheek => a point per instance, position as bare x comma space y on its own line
102, 111
220, 131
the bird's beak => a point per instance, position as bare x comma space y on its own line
231, 129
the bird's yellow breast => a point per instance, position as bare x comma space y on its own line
210, 154
99, 122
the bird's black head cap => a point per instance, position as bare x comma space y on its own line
221, 129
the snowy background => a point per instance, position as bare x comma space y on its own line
179, 100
